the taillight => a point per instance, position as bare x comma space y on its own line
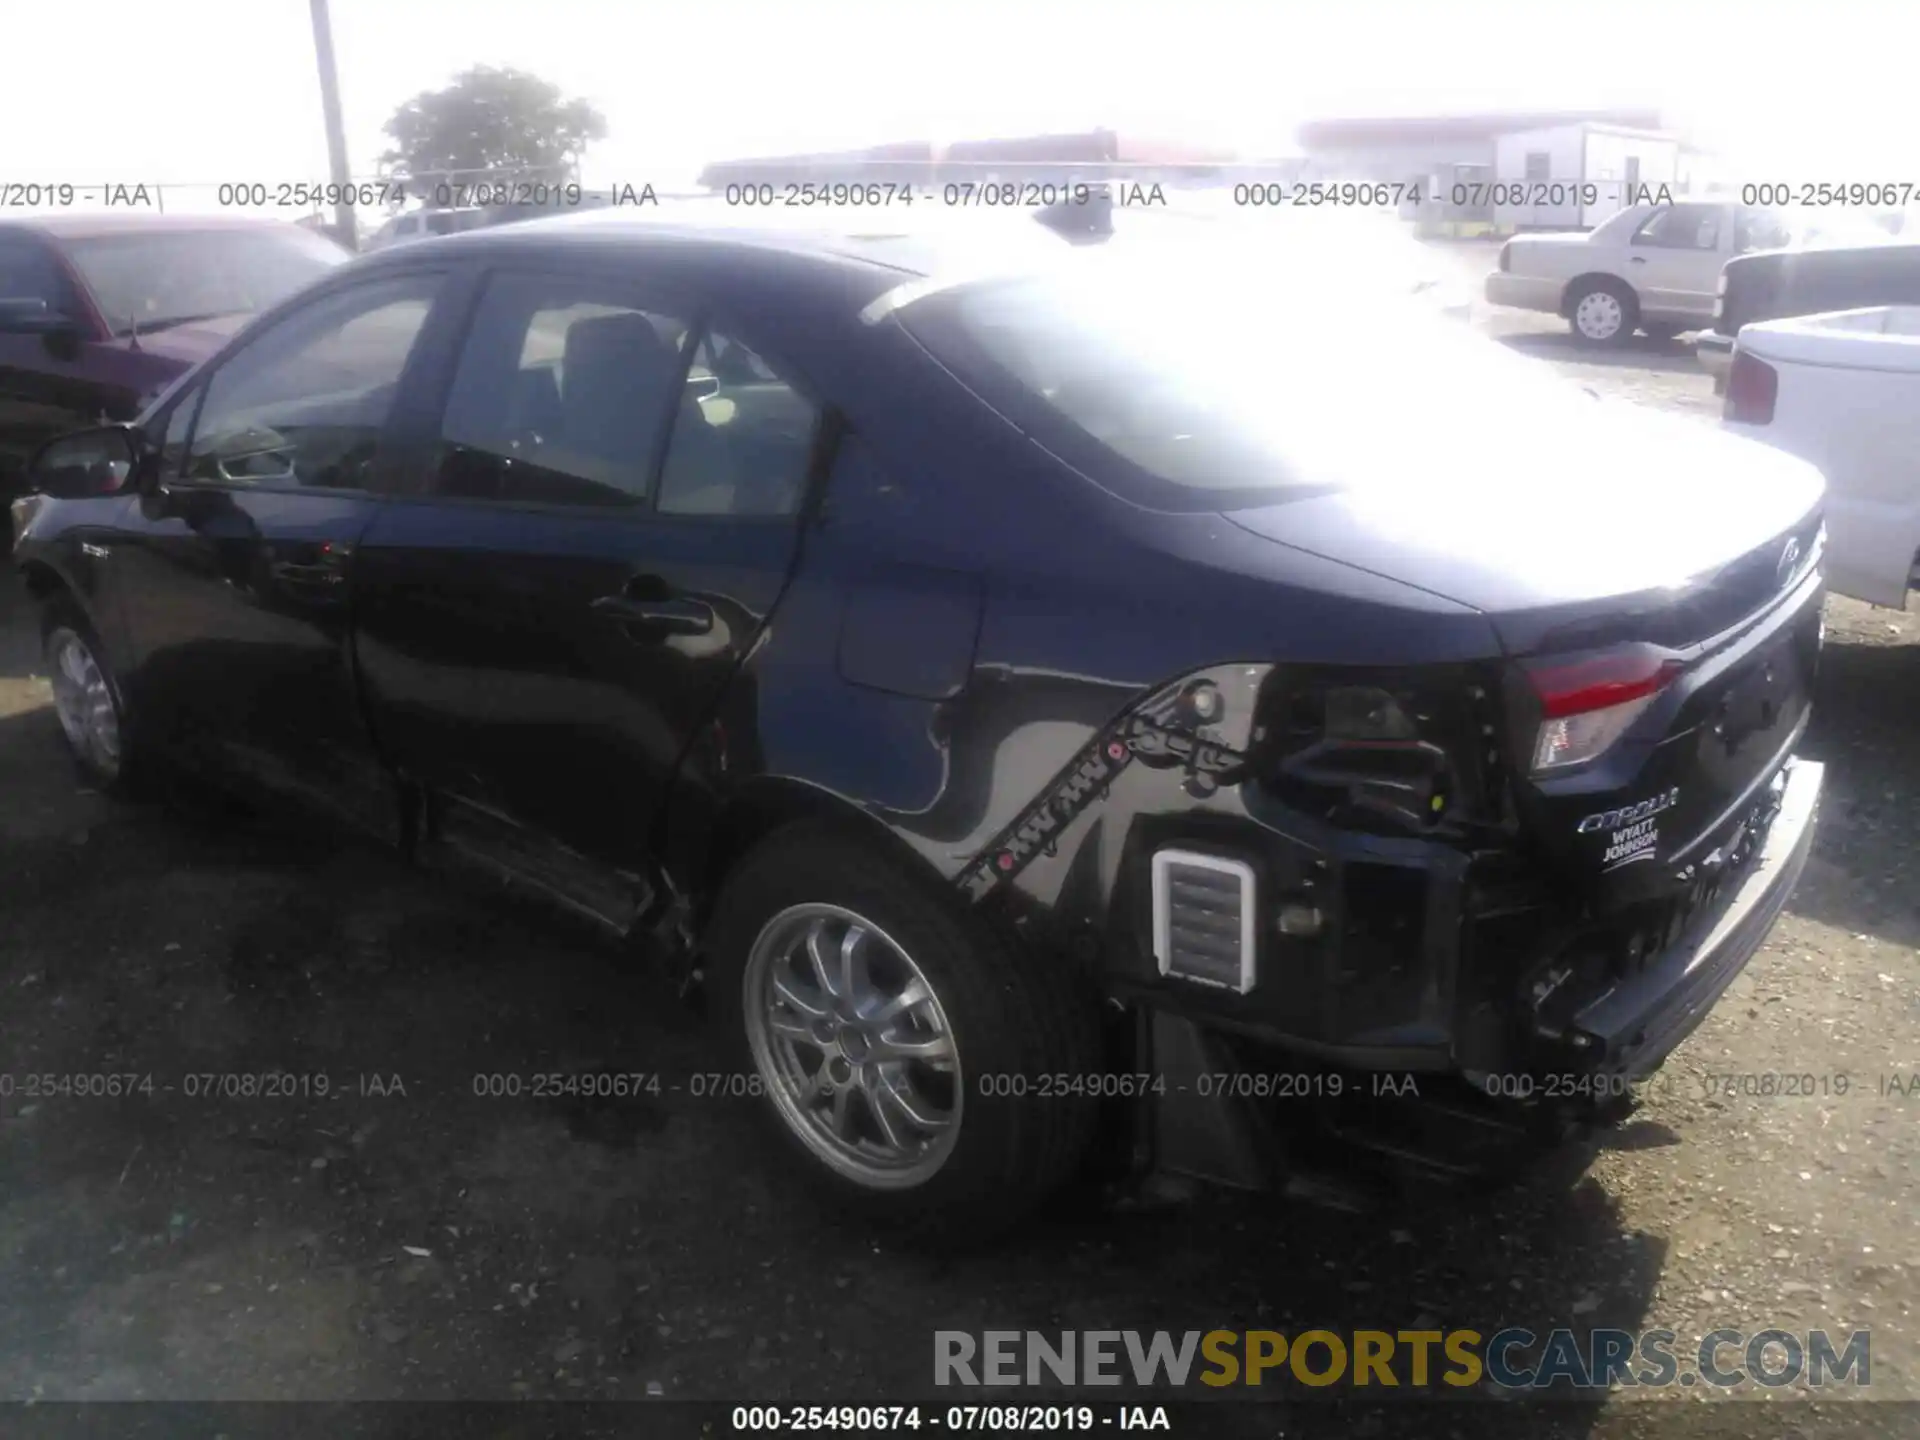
1588, 703
1752, 387
1506, 256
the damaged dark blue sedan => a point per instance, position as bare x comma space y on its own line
1056, 703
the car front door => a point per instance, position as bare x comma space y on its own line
237, 575
1674, 261
608, 521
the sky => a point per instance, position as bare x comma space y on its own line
196, 92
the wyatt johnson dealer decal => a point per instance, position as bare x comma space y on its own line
1634, 830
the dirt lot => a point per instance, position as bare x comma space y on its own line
403, 1237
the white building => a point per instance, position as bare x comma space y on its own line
1507, 171
1572, 177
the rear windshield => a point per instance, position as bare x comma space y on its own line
155, 279
1190, 388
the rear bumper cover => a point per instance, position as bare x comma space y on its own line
1635, 1026
1448, 1120
1523, 292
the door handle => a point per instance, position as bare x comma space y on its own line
671, 617
310, 567
1636, 259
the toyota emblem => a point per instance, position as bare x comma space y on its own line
1789, 562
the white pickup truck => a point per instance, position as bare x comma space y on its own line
1843, 391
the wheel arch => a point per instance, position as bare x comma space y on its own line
43, 581
766, 804
1594, 279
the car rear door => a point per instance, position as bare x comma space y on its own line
607, 519
1674, 261
238, 575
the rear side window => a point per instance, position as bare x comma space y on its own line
743, 440
1759, 230
1173, 394
563, 394
1682, 227
306, 402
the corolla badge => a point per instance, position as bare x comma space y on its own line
1789, 562
1629, 814
1634, 833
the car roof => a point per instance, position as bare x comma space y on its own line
893, 243
885, 241
79, 225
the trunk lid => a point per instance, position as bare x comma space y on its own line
1570, 522
1584, 528
1645, 819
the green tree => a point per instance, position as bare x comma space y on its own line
491, 124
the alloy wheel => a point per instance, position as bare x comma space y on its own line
853, 1045
83, 699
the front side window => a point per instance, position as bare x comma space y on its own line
743, 442
563, 394
1682, 227
157, 279
305, 403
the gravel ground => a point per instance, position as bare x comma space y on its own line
403, 1237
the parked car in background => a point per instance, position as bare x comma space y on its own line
98, 313
1653, 268
1023, 686
426, 224
1842, 390
1783, 283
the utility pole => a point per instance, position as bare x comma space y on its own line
349, 234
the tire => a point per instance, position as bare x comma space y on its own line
1597, 303
88, 701
1013, 1023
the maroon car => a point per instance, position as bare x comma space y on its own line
99, 313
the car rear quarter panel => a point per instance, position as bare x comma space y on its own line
970, 629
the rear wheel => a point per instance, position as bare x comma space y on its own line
1602, 312
86, 697
910, 1060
